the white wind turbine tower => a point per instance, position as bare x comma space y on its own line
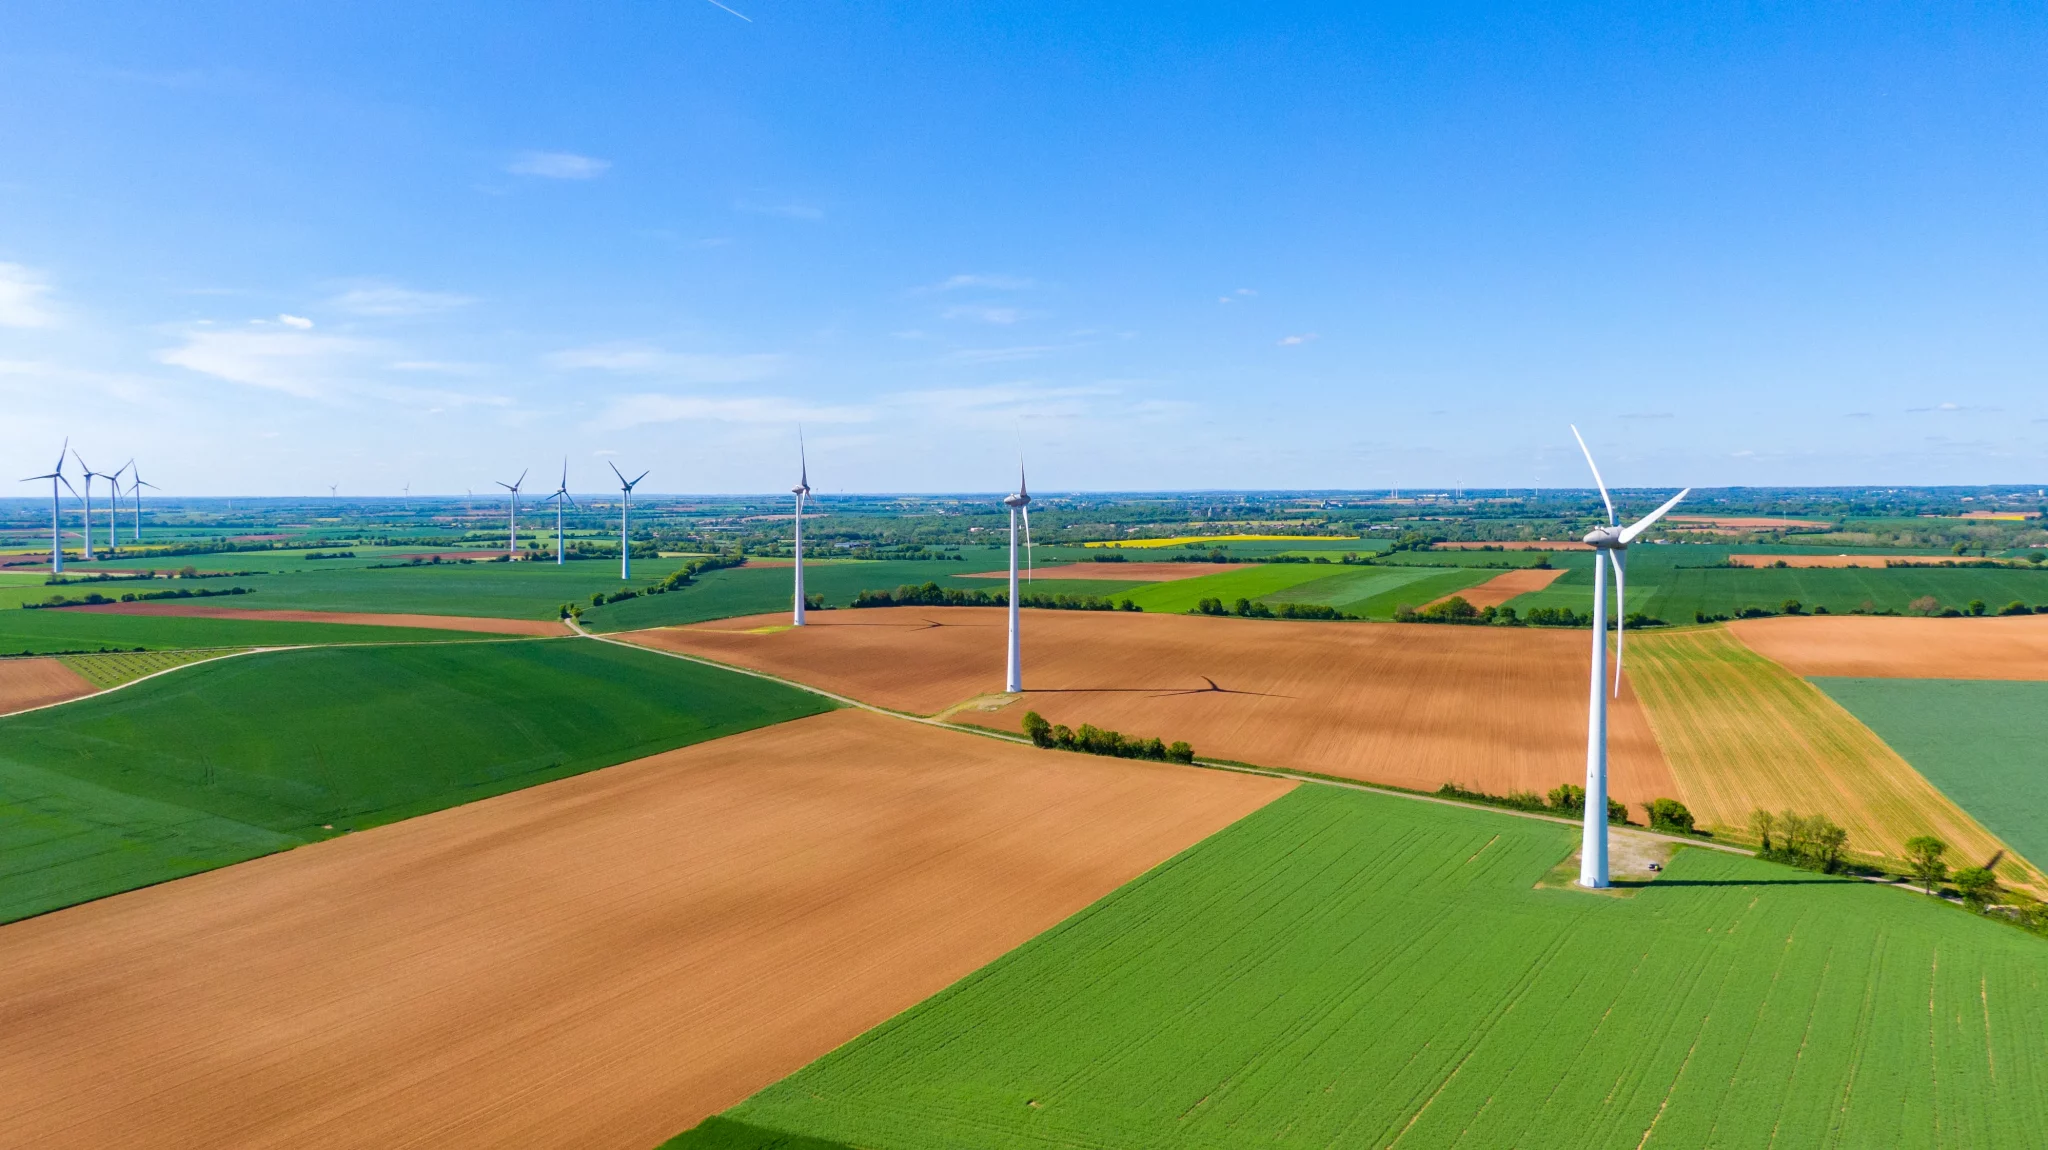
625, 509
135, 485
1610, 544
561, 493
114, 507
90, 475
802, 491
1013, 676
56, 509
512, 539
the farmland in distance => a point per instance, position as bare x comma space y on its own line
1348, 969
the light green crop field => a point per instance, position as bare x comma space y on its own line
1983, 742
1229, 586
236, 758
1377, 592
1346, 969
104, 671
759, 590
58, 632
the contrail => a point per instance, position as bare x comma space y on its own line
716, 4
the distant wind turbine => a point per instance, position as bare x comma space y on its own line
1610, 544
114, 507
1013, 678
802, 491
561, 494
135, 485
512, 539
625, 510
56, 518
89, 477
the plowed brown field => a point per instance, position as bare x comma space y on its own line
597, 962
1497, 709
26, 683
475, 624
1887, 647
1507, 585
1122, 572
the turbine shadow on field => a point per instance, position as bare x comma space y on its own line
1158, 692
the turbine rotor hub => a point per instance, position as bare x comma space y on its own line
1017, 500
1605, 538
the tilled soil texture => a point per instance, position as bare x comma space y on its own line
475, 624
1877, 561
1492, 708
596, 962
1888, 647
1123, 572
1507, 585
28, 683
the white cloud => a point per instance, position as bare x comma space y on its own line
682, 367
637, 410
294, 362
557, 165
994, 282
787, 210
447, 367
297, 321
1296, 340
21, 293
984, 313
390, 300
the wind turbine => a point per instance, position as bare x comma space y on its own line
802, 491
512, 541
1609, 543
561, 493
135, 485
114, 507
1013, 679
89, 477
625, 510
56, 520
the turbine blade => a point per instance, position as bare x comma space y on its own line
1629, 534
522, 479
1029, 567
1620, 613
637, 479
1599, 482
33, 478
803, 460
68, 487
616, 471
60, 453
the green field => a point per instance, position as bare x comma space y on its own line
1984, 743
760, 590
1346, 969
1229, 586
45, 632
235, 758
1661, 585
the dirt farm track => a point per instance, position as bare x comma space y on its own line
596, 962
1494, 708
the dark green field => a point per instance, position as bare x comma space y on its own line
1344, 969
240, 757
40, 632
1983, 742
1664, 584
759, 590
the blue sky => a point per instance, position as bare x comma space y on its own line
269, 247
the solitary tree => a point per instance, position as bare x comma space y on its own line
1978, 886
1925, 852
1761, 824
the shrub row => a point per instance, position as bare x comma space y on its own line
1810, 841
95, 598
1564, 799
1093, 740
1249, 609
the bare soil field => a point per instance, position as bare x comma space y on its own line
1877, 561
1507, 585
1497, 709
1743, 733
596, 962
26, 683
430, 622
1902, 647
1519, 545
1124, 572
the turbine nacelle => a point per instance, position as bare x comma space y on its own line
1608, 538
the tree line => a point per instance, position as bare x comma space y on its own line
1094, 740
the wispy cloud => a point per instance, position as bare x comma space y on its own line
386, 300
1297, 340
990, 282
557, 166
646, 408
788, 210
984, 313
682, 367
296, 321
1241, 293
21, 296
292, 361
1001, 354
